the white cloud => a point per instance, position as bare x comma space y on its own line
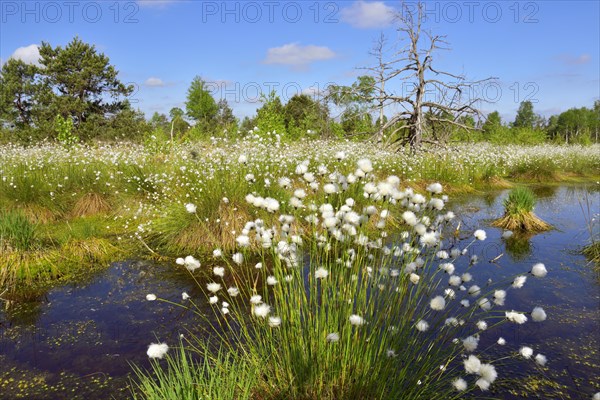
573, 60
155, 3
154, 82
297, 56
28, 54
362, 14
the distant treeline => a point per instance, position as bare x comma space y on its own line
74, 94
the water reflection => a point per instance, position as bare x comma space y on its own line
82, 337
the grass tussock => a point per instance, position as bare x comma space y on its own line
518, 213
42, 266
90, 204
183, 377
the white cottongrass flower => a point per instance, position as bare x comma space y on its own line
217, 253
274, 322
190, 207
321, 273
213, 287
483, 384
501, 341
526, 352
488, 372
472, 364
356, 320
238, 258
596, 396
541, 359
429, 239
437, 303
150, 297
271, 280
466, 277
333, 337
499, 297
157, 350
242, 159
191, 263
414, 278
185, 296
470, 343
243, 241
225, 310
516, 317
391, 353
538, 314
460, 384
258, 265
180, 261
507, 234
409, 217
539, 270
480, 234
213, 300
454, 280
262, 310
256, 299
435, 188
233, 291
422, 325
485, 304
519, 281
474, 290
219, 271
365, 165
482, 325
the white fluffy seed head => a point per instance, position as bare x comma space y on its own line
437, 303
539, 270
538, 314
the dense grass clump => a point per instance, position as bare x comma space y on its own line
518, 213
348, 287
17, 232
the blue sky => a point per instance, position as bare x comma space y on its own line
543, 51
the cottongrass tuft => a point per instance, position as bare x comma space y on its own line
150, 297
157, 350
472, 364
541, 359
437, 303
516, 317
526, 352
539, 270
538, 314
333, 337
460, 384
422, 325
480, 234
356, 320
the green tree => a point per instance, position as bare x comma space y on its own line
178, 125
201, 106
492, 123
269, 117
356, 102
226, 121
303, 113
80, 82
18, 89
525, 117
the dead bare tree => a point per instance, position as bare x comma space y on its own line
426, 95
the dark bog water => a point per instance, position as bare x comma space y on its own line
78, 341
